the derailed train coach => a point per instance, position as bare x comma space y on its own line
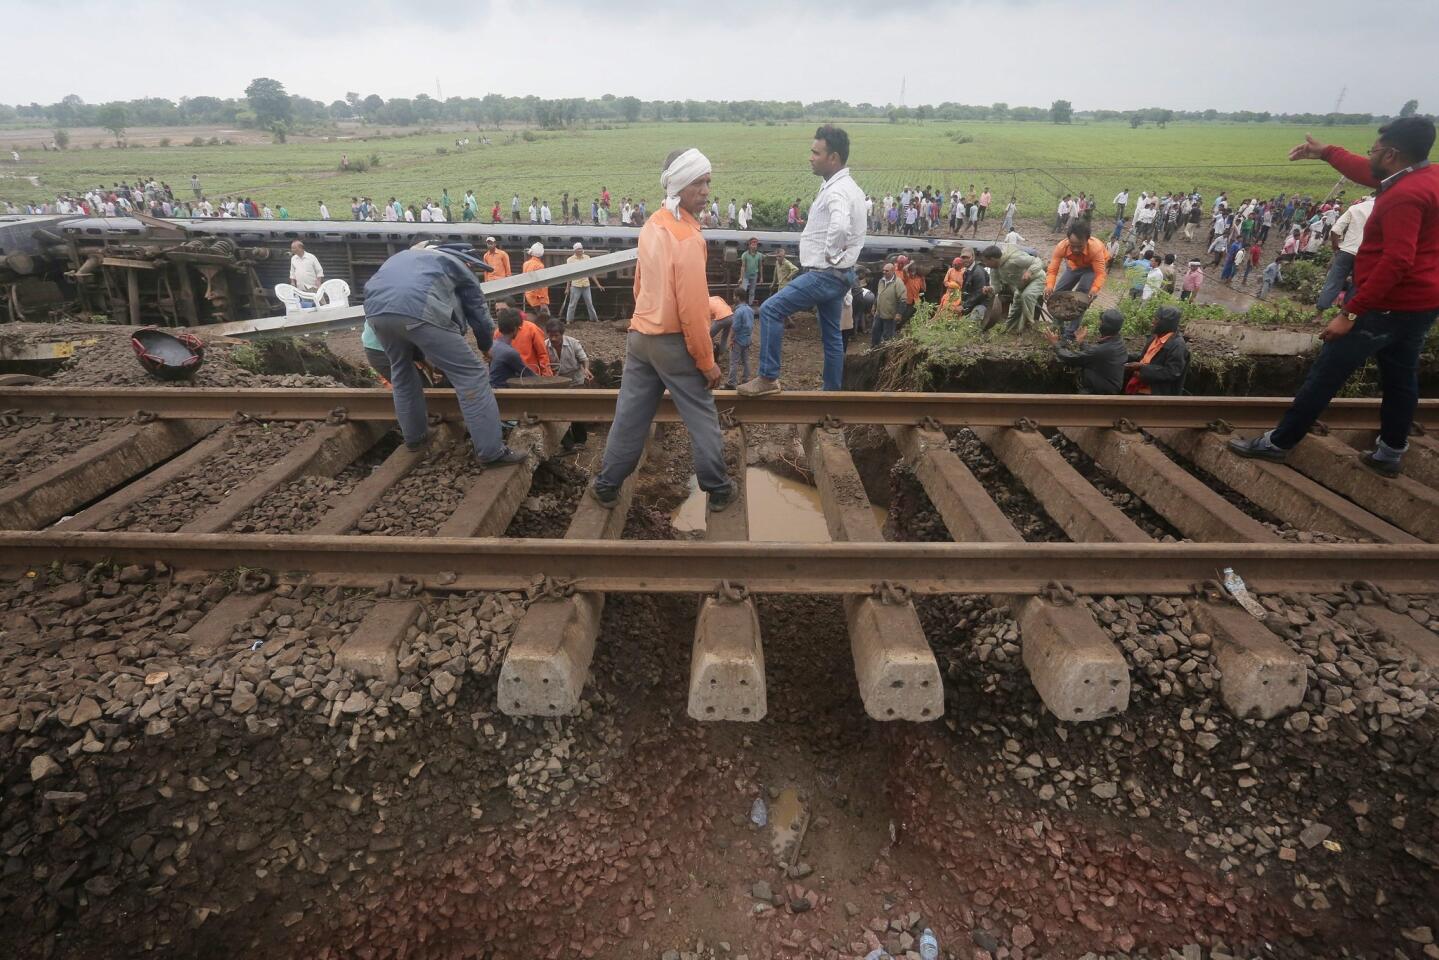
140, 270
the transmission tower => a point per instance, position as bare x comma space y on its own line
1339, 101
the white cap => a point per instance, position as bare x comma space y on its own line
537, 249
579, 246
489, 239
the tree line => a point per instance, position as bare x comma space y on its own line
267, 105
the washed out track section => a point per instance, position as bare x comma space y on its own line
1049, 507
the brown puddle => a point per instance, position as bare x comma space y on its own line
780, 509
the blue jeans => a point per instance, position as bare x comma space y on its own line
1393, 338
749, 284
824, 292
881, 330
1336, 280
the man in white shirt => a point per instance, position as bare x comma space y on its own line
742, 218
1345, 236
306, 274
730, 212
1154, 279
580, 288
324, 211
828, 250
1121, 201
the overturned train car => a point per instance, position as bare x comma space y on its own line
140, 270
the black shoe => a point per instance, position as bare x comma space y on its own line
419, 444
605, 497
509, 456
1388, 469
1258, 448
719, 500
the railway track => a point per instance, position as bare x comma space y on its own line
85, 473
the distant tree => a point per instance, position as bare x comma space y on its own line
1061, 111
1162, 117
269, 102
62, 138
113, 117
1211, 114
67, 110
630, 108
341, 110
1135, 119
371, 106
1410, 108
353, 99
1000, 110
923, 112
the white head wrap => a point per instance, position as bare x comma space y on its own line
685, 170
537, 250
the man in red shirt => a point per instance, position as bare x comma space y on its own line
1395, 299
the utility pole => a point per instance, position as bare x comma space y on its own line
438, 95
901, 91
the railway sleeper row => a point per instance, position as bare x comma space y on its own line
1076, 668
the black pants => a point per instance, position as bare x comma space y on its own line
1393, 338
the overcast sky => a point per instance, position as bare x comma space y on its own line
1278, 55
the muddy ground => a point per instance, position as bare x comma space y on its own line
164, 801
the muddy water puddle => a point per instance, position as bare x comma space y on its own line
780, 509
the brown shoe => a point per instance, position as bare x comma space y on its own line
759, 387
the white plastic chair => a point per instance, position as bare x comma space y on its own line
333, 293
289, 295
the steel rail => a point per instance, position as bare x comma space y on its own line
660, 566
331, 318
947, 409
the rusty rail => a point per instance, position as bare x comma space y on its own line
595, 406
657, 566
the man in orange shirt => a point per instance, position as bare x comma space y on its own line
529, 341
1086, 260
669, 340
498, 260
540, 296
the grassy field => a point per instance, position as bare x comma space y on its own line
1037, 162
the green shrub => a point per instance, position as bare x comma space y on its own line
197, 141
374, 159
1304, 277
528, 136
164, 141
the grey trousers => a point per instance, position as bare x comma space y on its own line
652, 364
738, 362
576, 295
451, 353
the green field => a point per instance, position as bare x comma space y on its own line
1036, 161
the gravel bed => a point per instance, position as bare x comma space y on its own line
425, 498
300, 504
555, 490
252, 448
36, 452
1007, 491
1117, 493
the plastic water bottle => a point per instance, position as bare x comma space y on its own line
928, 945
759, 812
878, 954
